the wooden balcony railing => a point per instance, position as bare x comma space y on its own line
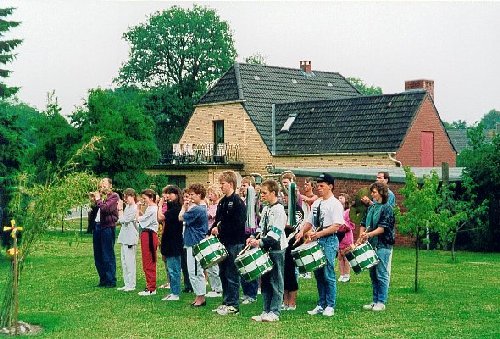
205, 153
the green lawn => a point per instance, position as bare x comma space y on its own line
456, 300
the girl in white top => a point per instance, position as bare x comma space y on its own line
128, 239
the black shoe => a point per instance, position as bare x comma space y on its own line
187, 290
100, 285
110, 286
199, 305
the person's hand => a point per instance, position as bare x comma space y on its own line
97, 196
314, 235
161, 202
253, 242
365, 200
120, 205
215, 231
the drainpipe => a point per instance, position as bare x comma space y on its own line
398, 163
273, 132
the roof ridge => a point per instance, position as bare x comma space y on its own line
289, 68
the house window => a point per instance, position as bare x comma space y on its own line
218, 132
288, 123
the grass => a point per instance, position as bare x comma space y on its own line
456, 300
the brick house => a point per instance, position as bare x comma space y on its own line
256, 117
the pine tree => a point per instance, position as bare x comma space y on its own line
6, 48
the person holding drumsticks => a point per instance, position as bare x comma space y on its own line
272, 239
325, 219
377, 227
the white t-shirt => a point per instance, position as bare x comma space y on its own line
331, 212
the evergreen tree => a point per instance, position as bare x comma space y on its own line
6, 48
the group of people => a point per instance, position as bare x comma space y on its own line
250, 216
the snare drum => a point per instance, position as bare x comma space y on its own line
209, 252
309, 257
362, 257
253, 263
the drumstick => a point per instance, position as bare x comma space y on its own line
248, 246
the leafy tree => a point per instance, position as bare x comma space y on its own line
459, 212
183, 48
457, 124
364, 88
256, 59
6, 48
13, 146
491, 119
127, 133
421, 203
54, 141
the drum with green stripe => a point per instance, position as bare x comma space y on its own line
309, 257
253, 263
362, 257
209, 252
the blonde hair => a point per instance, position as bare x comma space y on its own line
215, 189
230, 177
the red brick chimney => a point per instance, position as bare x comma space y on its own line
305, 66
428, 85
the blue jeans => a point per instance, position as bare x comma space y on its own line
325, 276
230, 277
174, 274
250, 288
272, 284
103, 239
381, 275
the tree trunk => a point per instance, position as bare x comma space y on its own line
453, 254
417, 245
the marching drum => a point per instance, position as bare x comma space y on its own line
309, 257
209, 252
362, 257
253, 263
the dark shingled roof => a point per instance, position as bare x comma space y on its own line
261, 86
362, 124
458, 138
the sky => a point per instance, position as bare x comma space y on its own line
72, 46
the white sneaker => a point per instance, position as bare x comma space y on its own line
291, 308
259, 318
259, 291
341, 278
220, 307
329, 311
129, 289
244, 297
171, 297
368, 307
213, 294
378, 307
306, 275
121, 288
248, 300
316, 310
284, 307
228, 310
270, 317
146, 293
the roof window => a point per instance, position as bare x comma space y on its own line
256, 77
294, 81
330, 84
288, 123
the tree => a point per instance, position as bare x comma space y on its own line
119, 119
421, 203
457, 124
256, 59
54, 140
459, 212
13, 146
6, 48
491, 119
183, 48
364, 88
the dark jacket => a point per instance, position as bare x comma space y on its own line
231, 218
171, 239
109, 210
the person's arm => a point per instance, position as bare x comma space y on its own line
160, 215
110, 205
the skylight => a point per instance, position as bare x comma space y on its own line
288, 123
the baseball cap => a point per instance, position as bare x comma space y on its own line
325, 177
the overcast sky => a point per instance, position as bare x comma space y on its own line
71, 46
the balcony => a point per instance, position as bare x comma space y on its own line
203, 154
